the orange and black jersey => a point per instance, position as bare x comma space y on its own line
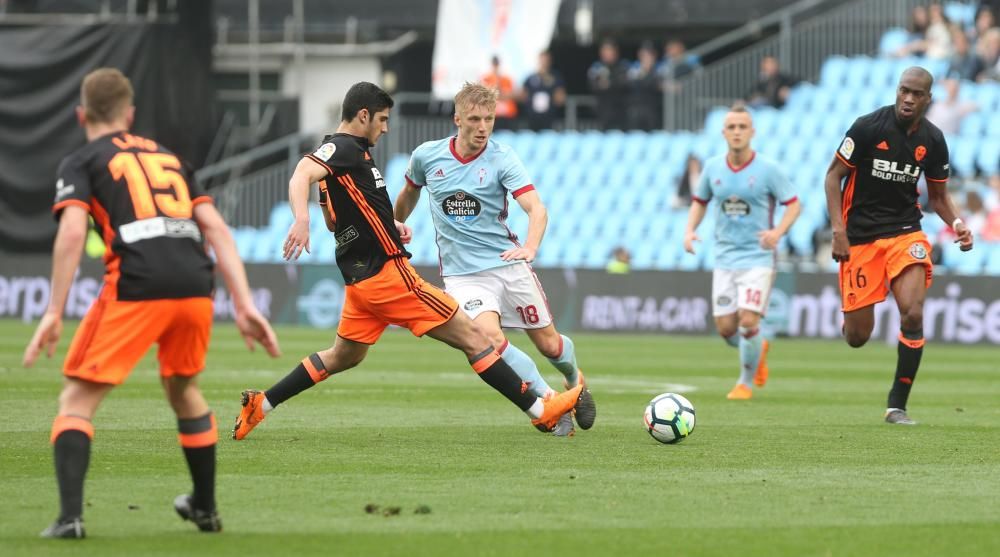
366, 232
141, 198
880, 195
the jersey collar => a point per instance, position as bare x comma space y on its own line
459, 158
753, 155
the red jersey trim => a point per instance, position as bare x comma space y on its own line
936, 180
699, 200
459, 158
790, 201
201, 199
313, 158
523, 190
843, 160
411, 182
63, 204
753, 155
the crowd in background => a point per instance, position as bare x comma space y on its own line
629, 95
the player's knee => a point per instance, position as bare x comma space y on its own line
726, 331
476, 339
749, 321
912, 318
856, 339
497, 339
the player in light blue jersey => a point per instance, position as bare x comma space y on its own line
470, 180
745, 188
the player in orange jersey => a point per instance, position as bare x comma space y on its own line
155, 221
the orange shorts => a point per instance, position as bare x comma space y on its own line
115, 335
395, 296
865, 278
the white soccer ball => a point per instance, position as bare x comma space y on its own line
669, 418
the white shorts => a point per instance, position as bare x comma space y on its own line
512, 291
734, 289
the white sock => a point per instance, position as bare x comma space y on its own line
536, 409
266, 406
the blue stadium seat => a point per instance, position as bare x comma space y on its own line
964, 262
892, 40
567, 148
523, 143
881, 73
799, 98
856, 77
245, 238
715, 118
960, 13
974, 125
643, 255
993, 258
546, 143
992, 128
987, 97
834, 72
612, 143
822, 99
634, 147
963, 155
988, 157
657, 147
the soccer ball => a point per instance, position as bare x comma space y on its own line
669, 418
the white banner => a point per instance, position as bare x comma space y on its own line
470, 32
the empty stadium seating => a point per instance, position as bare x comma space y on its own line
604, 189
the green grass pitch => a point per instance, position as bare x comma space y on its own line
805, 468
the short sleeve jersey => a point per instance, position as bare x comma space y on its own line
744, 201
366, 232
141, 197
469, 201
880, 194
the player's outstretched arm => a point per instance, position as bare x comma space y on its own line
945, 208
695, 215
252, 325
306, 172
538, 220
834, 177
406, 201
769, 238
70, 239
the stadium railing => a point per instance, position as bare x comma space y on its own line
809, 32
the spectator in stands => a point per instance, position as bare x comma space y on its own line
675, 64
934, 40
938, 37
985, 20
543, 94
964, 63
621, 261
988, 49
949, 112
506, 115
645, 95
773, 86
608, 78
917, 31
687, 182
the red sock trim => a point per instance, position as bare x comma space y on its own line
66, 423
503, 347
